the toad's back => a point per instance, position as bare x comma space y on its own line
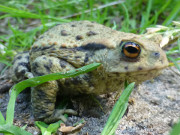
75, 34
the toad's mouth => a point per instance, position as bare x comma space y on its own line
138, 71
137, 76
145, 70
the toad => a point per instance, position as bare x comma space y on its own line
123, 56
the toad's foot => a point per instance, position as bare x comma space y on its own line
59, 115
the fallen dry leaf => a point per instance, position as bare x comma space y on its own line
71, 129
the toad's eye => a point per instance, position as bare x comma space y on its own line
131, 49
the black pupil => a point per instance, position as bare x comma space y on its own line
131, 49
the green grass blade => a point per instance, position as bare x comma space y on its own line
54, 127
176, 129
173, 14
172, 52
42, 126
7, 128
126, 25
25, 14
10, 108
39, 80
152, 20
166, 4
5, 62
178, 43
55, 76
5, 16
2, 120
24, 127
19, 13
48, 130
118, 111
148, 11
174, 61
146, 15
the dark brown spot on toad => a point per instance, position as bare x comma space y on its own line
76, 81
48, 66
19, 73
47, 47
64, 33
62, 64
34, 49
126, 67
24, 64
73, 25
43, 95
37, 73
27, 57
35, 65
19, 57
140, 68
53, 49
77, 57
79, 37
91, 33
91, 47
86, 58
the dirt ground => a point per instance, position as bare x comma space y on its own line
155, 109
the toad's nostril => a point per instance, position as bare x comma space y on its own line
156, 54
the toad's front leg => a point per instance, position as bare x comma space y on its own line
43, 103
43, 97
